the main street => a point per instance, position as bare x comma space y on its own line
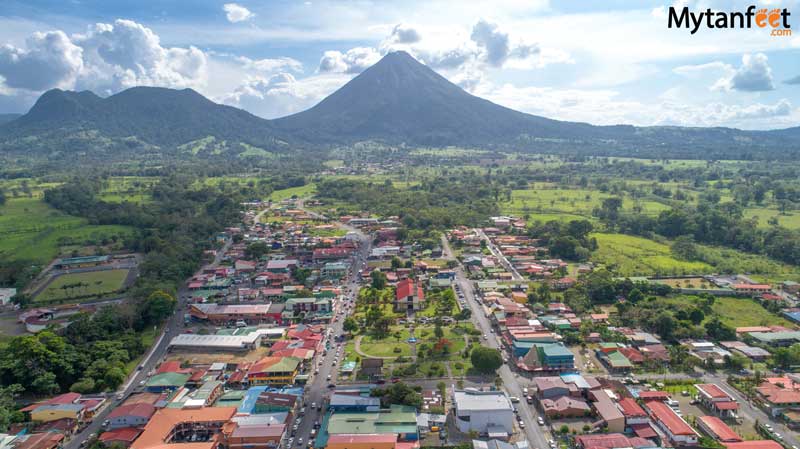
317, 389
537, 435
499, 255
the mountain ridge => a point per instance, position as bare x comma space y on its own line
397, 101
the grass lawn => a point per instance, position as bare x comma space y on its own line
298, 192
738, 312
631, 256
791, 220
579, 202
31, 229
96, 283
394, 345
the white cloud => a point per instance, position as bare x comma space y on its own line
282, 94
754, 75
496, 44
236, 13
49, 60
354, 60
404, 34
271, 64
106, 59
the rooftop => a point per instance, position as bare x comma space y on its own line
481, 400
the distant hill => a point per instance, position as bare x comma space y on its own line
148, 116
5, 118
397, 101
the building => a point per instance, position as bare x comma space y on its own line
273, 371
754, 444
334, 270
565, 407
409, 296
163, 382
779, 394
751, 289
80, 262
123, 437
611, 441
6, 294
486, 412
247, 433
555, 356
232, 313
353, 402
44, 440
194, 428
675, 427
308, 309
398, 421
717, 429
607, 411
363, 441
717, 400
130, 415
54, 412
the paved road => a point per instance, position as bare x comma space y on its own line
317, 390
499, 255
537, 435
151, 360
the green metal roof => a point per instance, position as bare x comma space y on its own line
617, 360
168, 380
399, 419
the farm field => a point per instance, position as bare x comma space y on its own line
32, 230
94, 283
134, 189
636, 256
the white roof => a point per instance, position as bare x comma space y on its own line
482, 400
224, 341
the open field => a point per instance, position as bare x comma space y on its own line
790, 220
30, 229
635, 256
298, 192
737, 312
94, 283
537, 200
135, 189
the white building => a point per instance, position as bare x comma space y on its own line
6, 294
486, 412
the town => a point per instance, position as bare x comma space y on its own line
304, 330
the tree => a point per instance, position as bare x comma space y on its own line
665, 325
256, 250
378, 280
463, 315
720, 331
158, 306
609, 209
381, 326
486, 360
396, 263
8, 406
350, 324
600, 287
399, 393
2, 197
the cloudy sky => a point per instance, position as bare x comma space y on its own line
605, 62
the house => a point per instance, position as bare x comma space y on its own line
486, 412
45, 440
754, 444
634, 414
372, 368
675, 427
123, 437
334, 270
565, 407
130, 415
409, 296
54, 412
779, 394
563, 283
273, 371
717, 429
312, 309
717, 400
282, 265
776, 338
555, 356
607, 411
231, 313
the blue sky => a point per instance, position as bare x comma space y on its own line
600, 62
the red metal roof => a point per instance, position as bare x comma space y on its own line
726, 405
719, 429
631, 408
658, 395
363, 438
127, 434
755, 444
644, 430
713, 391
142, 409
407, 287
673, 422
